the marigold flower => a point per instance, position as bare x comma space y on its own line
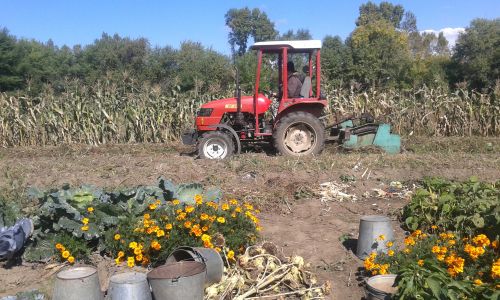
208, 244
230, 254
187, 224
406, 250
478, 282
389, 244
452, 242
481, 240
233, 215
390, 252
495, 244
225, 206
204, 228
206, 237
132, 245
117, 261
204, 217
434, 227
420, 262
85, 221
189, 209
59, 246
233, 202
85, 228
121, 254
137, 251
258, 228
212, 218
138, 257
409, 241
90, 209
152, 206
374, 272
160, 233
181, 216
130, 263
248, 206
495, 269
168, 226
155, 245
117, 237
218, 249
176, 202
237, 209
71, 259
221, 220
65, 254
147, 216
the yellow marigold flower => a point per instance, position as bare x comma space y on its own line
374, 272
152, 206
160, 233
221, 220
452, 242
225, 206
237, 209
65, 254
147, 216
121, 254
481, 240
59, 246
206, 237
155, 245
440, 257
130, 263
117, 261
204, 228
450, 235
258, 228
176, 202
168, 226
137, 251
233, 202
138, 257
389, 244
495, 244
85, 221
85, 228
443, 236
90, 209
443, 250
187, 224
198, 198
420, 262
217, 249
409, 241
436, 249
478, 282
407, 250
181, 216
117, 237
71, 259
390, 252
434, 227
132, 245
233, 215
230, 254
416, 233
212, 218
189, 209
204, 217
248, 206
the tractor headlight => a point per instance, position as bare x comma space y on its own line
205, 112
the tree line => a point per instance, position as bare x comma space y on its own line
385, 50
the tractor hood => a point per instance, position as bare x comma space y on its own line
229, 105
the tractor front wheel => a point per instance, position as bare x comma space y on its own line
215, 145
299, 134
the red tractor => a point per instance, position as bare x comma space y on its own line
295, 128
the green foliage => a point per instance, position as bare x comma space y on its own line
336, 61
477, 53
470, 207
371, 12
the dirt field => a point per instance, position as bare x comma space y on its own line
293, 216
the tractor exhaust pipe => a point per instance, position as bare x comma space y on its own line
240, 119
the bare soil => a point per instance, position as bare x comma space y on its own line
292, 215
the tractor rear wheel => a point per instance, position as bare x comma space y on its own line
299, 134
215, 145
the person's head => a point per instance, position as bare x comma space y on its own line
290, 67
305, 69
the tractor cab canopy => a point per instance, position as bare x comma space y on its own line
305, 52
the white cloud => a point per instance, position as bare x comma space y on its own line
451, 34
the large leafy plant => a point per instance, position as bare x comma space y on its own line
469, 207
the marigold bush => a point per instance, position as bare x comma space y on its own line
441, 265
150, 238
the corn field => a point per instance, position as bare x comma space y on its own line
132, 113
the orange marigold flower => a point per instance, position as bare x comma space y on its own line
452, 242
409, 241
212, 218
59, 246
168, 226
121, 254
198, 199
204, 228
147, 216
204, 217
155, 245
181, 216
434, 227
117, 237
138, 257
481, 240
130, 263
495, 244
478, 282
187, 224
225, 206
420, 262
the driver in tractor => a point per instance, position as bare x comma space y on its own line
294, 82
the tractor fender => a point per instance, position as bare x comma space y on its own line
231, 130
315, 109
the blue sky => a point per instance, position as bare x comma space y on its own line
171, 22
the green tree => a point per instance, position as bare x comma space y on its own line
380, 54
371, 12
477, 54
245, 23
336, 60
301, 34
9, 59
